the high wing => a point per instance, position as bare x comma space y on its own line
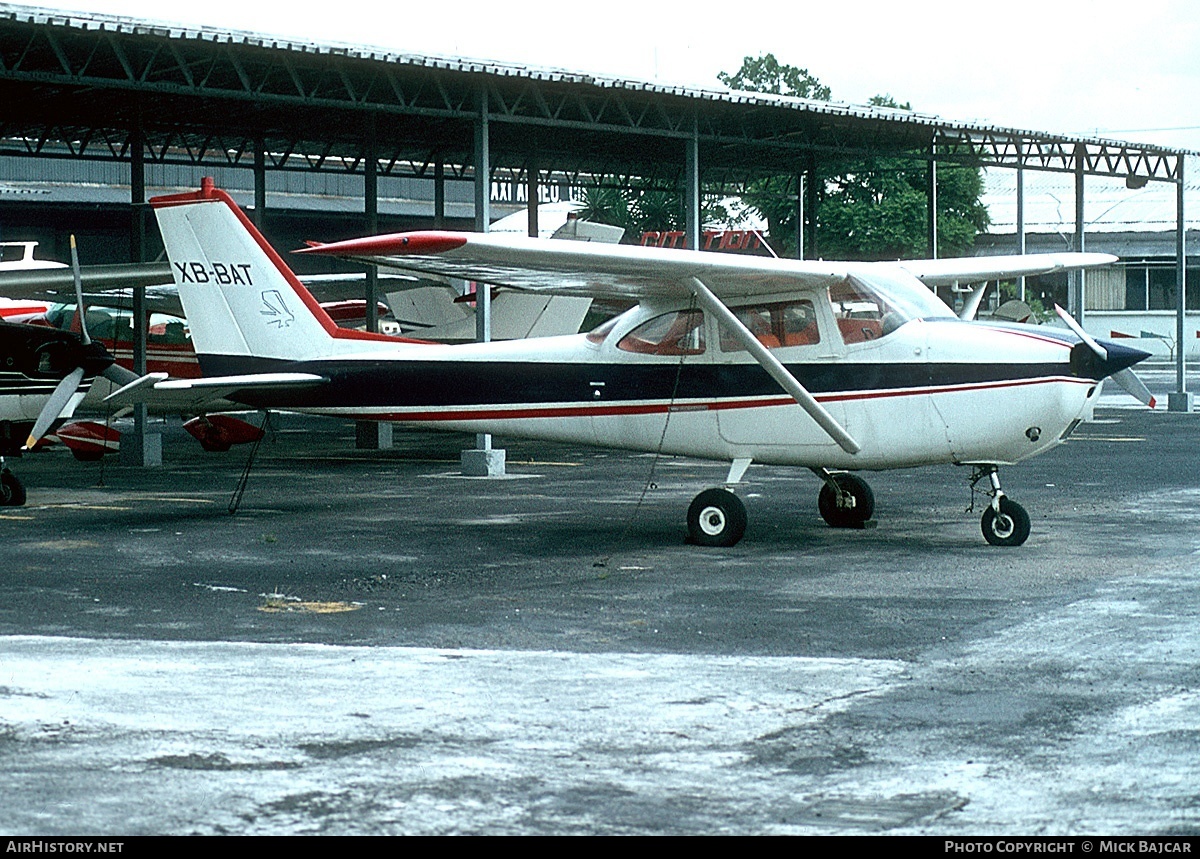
947, 272
635, 272
582, 268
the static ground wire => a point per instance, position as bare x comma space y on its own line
236, 500
649, 483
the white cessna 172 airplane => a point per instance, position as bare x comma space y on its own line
834, 366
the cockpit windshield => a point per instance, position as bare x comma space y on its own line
868, 306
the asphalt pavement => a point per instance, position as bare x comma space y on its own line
375, 644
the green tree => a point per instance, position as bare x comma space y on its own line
867, 207
875, 208
639, 210
767, 74
606, 206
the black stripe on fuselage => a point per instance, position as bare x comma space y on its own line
25, 386
409, 384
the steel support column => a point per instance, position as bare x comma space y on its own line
800, 210
1180, 400
810, 206
483, 460
1077, 293
1020, 220
439, 193
931, 221
533, 193
260, 184
371, 222
691, 187
371, 435
139, 447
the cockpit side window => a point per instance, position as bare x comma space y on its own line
677, 333
858, 313
870, 305
863, 313
775, 325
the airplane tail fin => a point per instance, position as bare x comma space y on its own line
242, 301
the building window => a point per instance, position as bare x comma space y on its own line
1135, 289
1161, 289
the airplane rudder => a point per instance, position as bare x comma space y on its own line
239, 295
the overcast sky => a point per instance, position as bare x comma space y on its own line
1124, 70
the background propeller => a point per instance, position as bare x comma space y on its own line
88, 358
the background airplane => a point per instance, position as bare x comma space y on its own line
836, 367
44, 376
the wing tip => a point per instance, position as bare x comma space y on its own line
393, 244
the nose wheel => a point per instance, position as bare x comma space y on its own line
1004, 522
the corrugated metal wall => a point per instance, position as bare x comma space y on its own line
1105, 289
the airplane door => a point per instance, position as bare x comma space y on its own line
755, 410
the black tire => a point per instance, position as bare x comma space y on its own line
717, 517
1009, 528
847, 517
12, 491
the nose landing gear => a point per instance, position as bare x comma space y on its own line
1005, 522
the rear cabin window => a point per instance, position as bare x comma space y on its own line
679, 333
601, 331
781, 324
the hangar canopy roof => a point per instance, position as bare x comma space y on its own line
85, 85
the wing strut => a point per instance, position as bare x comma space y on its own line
776, 370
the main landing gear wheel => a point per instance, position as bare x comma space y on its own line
717, 517
12, 491
1009, 527
850, 508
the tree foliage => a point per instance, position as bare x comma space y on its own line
867, 207
767, 74
639, 210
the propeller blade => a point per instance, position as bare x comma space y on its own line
54, 406
118, 375
79, 308
1128, 380
1081, 334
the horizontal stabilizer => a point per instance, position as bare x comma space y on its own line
97, 278
195, 394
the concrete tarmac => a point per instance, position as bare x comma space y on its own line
375, 645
